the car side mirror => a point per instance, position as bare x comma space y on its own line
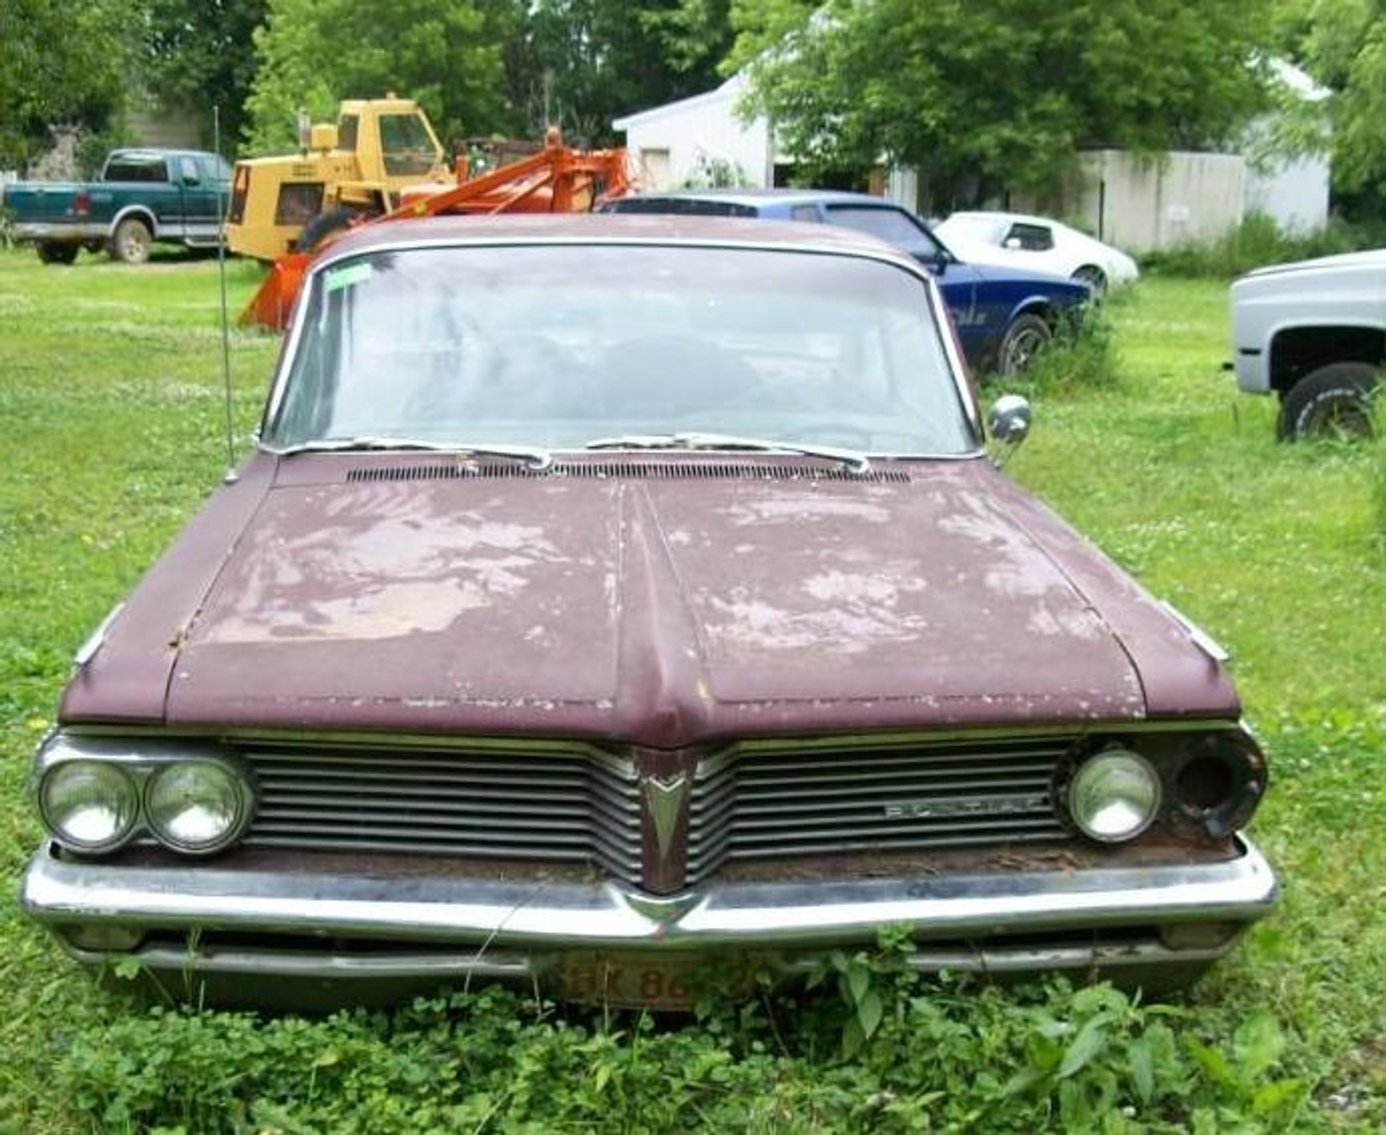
1008, 423
1013, 243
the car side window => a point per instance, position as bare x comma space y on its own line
891, 224
187, 167
136, 169
213, 167
1031, 238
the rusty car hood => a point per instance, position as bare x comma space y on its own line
718, 599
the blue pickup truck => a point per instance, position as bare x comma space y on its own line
141, 197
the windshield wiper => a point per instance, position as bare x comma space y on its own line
533, 456
693, 439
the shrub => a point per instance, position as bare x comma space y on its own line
915, 1055
1256, 242
1081, 357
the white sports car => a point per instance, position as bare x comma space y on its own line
1016, 240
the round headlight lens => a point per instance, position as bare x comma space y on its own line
1114, 796
195, 806
89, 805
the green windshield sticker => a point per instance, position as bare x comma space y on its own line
345, 277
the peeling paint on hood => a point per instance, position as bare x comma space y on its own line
663, 610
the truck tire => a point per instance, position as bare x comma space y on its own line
56, 252
130, 242
1332, 401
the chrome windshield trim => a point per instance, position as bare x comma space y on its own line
962, 383
565, 915
534, 456
700, 442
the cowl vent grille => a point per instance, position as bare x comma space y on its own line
625, 470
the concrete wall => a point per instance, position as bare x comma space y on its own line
177, 130
1139, 205
1294, 193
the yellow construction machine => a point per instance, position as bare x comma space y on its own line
355, 169
380, 163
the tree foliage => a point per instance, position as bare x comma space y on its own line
63, 62
984, 94
1342, 44
582, 63
450, 57
200, 54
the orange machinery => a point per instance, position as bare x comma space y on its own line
554, 180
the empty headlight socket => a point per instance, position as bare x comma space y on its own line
1211, 781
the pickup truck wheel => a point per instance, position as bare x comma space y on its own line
131, 240
1333, 401
56, 252
1025, 338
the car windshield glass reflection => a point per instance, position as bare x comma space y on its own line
554, 346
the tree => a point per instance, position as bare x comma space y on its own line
980, 95
450, 57
64, 62
1342, 44
584, 62
200, 54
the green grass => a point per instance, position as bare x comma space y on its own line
111, 397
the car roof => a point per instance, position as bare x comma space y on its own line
752, 197
614, 228
997, 215
150, 152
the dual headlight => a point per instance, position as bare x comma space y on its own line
194, 805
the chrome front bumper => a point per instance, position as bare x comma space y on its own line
446, 929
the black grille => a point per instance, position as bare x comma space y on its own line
610, 470
787, 803
575, 807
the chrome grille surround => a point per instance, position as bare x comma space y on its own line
576, 803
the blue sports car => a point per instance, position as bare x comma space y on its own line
1003, 315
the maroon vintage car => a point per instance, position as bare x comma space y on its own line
614, 597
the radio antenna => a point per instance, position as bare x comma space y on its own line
225, 322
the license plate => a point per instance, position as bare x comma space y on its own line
624, 980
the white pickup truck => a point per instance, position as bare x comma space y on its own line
1315, 334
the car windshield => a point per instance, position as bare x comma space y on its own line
407, 147
579, 345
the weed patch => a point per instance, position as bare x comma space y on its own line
940, 1057
1258, 241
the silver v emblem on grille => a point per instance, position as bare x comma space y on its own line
665, 798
